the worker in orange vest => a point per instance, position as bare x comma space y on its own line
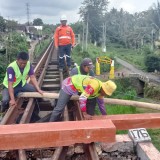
64, 40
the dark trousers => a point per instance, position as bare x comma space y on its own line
58, 110
63, 51
62, 102
6, 98
91, 105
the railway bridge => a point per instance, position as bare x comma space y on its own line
23, 134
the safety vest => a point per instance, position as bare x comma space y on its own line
18, 75
64, 35
79, 72
81, 81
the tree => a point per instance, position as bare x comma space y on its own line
47, 29
92, 12
37, 22
14, 44
2, 24
152, 63
77, 27
11, 25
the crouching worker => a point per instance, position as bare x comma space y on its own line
15, 80
89, 87
86, 68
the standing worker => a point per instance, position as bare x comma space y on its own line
64, 40
86, 68
88, 87
15, 80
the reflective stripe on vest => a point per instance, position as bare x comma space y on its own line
18, 75
65, 37
78, 80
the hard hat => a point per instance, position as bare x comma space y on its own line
63, 18
87, 62
109, 87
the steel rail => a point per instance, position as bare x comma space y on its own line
10, 117
13, 112
31, 104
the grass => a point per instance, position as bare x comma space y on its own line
41, 47
124, 91
132, 56
154, 133
118, 109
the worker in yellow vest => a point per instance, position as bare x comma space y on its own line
86, 68
89, 87
15, 80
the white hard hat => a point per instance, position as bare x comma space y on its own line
63, 18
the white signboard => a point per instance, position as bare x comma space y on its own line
139, 135
38, 27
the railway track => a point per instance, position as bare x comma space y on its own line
32, 110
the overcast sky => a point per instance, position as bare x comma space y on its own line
50, 10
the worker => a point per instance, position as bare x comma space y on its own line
15, 80
88, 87
64, 41
86, 68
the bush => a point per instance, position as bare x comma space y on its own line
146, 50
152, 63
152, 91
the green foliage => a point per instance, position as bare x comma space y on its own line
93, 12
152, 63
2, 24
47, 29
41, 47
11, 25
37, 22
14, 43
130, 55
146, 50
152, 91
123, 91
92, 52
154, 133
2, 68
77, 27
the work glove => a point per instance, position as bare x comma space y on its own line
82, 103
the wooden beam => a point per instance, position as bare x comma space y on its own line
130, 121
106, 100
54, 134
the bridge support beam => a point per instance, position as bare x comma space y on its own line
55, 134
131, 121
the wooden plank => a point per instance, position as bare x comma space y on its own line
54, 134
50, 85
130, 121
106, 100
51, 80
51, 76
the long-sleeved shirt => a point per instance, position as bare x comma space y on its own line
90, 87
64, 35
100, 101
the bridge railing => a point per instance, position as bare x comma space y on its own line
140, 76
